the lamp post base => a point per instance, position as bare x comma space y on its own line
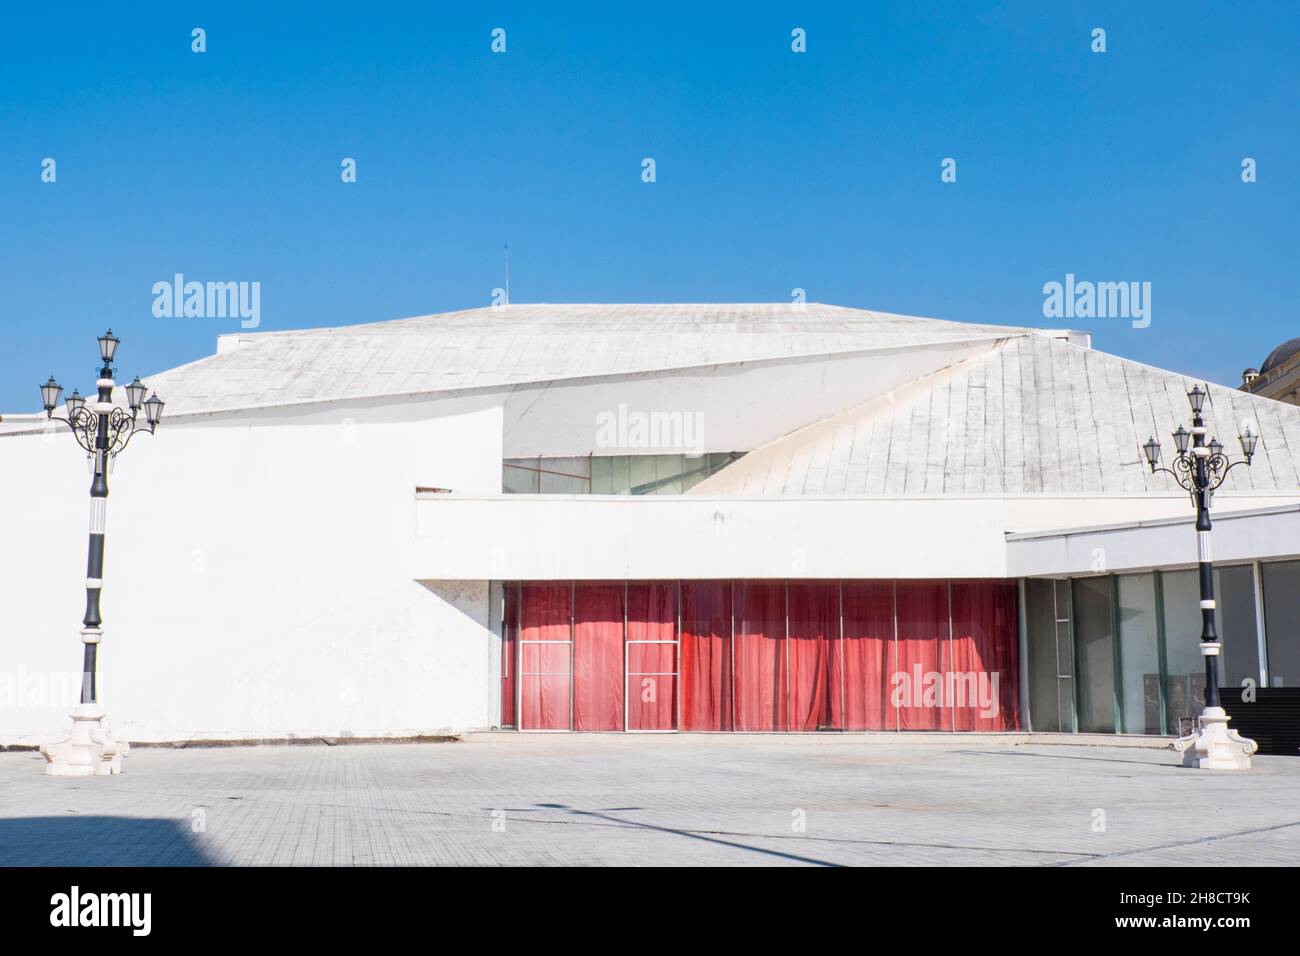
1216, 746
90, 751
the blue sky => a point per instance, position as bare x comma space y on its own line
775, 170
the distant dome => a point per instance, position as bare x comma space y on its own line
1280, 355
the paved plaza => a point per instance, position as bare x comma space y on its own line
696, 800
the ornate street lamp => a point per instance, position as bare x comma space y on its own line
103, 430
1200, 468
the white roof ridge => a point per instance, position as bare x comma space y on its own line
814, 429
1034, 413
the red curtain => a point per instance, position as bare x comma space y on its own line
706, 655
917, 683
759, 655
651, 667
545, 656
814, 609
867, 656
985, 638
765, 663
509, 654
598, 656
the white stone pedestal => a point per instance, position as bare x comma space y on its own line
90, 750
1215, 746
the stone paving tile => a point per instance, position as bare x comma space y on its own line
693, 800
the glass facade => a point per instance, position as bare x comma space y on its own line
1184, 666
1281, 586
611, 474
762, 655
1116, 653
1121, 653
1238, 627
1139, 654
1094, 642
1051, 655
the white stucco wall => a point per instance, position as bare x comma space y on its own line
257, 578
593, 537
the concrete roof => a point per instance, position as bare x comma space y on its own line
516, 344
1034, 414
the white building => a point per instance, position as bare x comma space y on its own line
761, 517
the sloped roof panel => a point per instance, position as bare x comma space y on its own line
1034, 415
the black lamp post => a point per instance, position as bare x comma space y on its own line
103, 430
1200, 468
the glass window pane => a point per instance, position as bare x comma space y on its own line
565, 476
519, 476
641, 473
602, 476
1040, 625
1282, 622
1185, 681
1095, 649
668, 471
1234, 619
1139, 654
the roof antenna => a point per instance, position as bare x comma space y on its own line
507, 273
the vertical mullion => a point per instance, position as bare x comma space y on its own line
897, 719
952, 662
1257, 574
1056, 652
519, 643
1074, 659
1117, 654
844, 703
731, 649
786, 675
573, 636
1022, 671
1159, 585
677, 661
626, 652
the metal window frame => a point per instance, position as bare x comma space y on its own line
1159, 585
844, 700
1117, 654
731, 654
1073, 676
1261, 635
1114, 650
898, 725
1127, 726
509, 658
1022, 640
519, 712
952, 669
785, 676
675, 674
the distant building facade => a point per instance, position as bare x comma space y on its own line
1279, 377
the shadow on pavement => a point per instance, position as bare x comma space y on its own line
694, 835
75, 840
